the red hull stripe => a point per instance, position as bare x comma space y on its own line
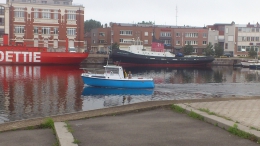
162, 65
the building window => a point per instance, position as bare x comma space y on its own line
36, 13
56, 2
35, 30
145, 33
19, 29
252, 39
191, 42
101, 41
71, 16
45, 30
121, 40
93, 41
71, 31
46, 14
248, 39
257, 29
178, 42
94, 34
166, 34
167, 41
146, 41
19, 12
205, 35
101, 34
44, 2
239, 48
257, 39
178, 34
226, 30
2, 21
204, 42
195, 50
65, 3
55, 16
33, 1
191, 35
226, 45
55, 30
2, 10
126, 32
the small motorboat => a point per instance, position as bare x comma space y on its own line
90, 90
113, 77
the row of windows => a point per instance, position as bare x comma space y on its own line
248, 39
125, 32
244, 29
166, 34
45, 15
191, 42
246, 48
163, 34
45, 2
45, 30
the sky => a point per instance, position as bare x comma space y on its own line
163, 12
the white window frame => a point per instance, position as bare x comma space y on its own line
55, 30
126, 32
46, 14
45, 30
19, 29
71, 31
35, 30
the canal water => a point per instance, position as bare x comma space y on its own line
41, 91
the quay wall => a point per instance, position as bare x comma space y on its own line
102, 59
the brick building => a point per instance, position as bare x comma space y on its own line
47, 24
173, 37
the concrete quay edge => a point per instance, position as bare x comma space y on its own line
64, 137
107, 112
220, 122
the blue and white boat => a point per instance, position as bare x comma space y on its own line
113, 77
255, 65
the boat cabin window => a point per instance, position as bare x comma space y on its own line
113, 70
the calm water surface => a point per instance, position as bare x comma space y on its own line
41, 91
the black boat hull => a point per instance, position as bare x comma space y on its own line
126, 58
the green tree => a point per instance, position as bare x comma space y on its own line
143, 22
252, 53
188, 49
209, 50
218, 50
115, 46
91, 24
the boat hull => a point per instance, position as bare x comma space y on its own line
126, 58
117, 83
41, 58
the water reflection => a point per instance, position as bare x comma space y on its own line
88, 91
40, 91
97, 97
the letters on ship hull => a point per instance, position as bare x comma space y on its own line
24, 55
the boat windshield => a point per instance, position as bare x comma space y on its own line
112, 70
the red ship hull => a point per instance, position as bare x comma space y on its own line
41, 58
25, 55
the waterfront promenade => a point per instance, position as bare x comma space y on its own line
147, 123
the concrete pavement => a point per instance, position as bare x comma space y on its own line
125, 126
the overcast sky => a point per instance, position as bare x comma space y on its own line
163, 12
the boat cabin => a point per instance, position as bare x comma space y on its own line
114, 72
